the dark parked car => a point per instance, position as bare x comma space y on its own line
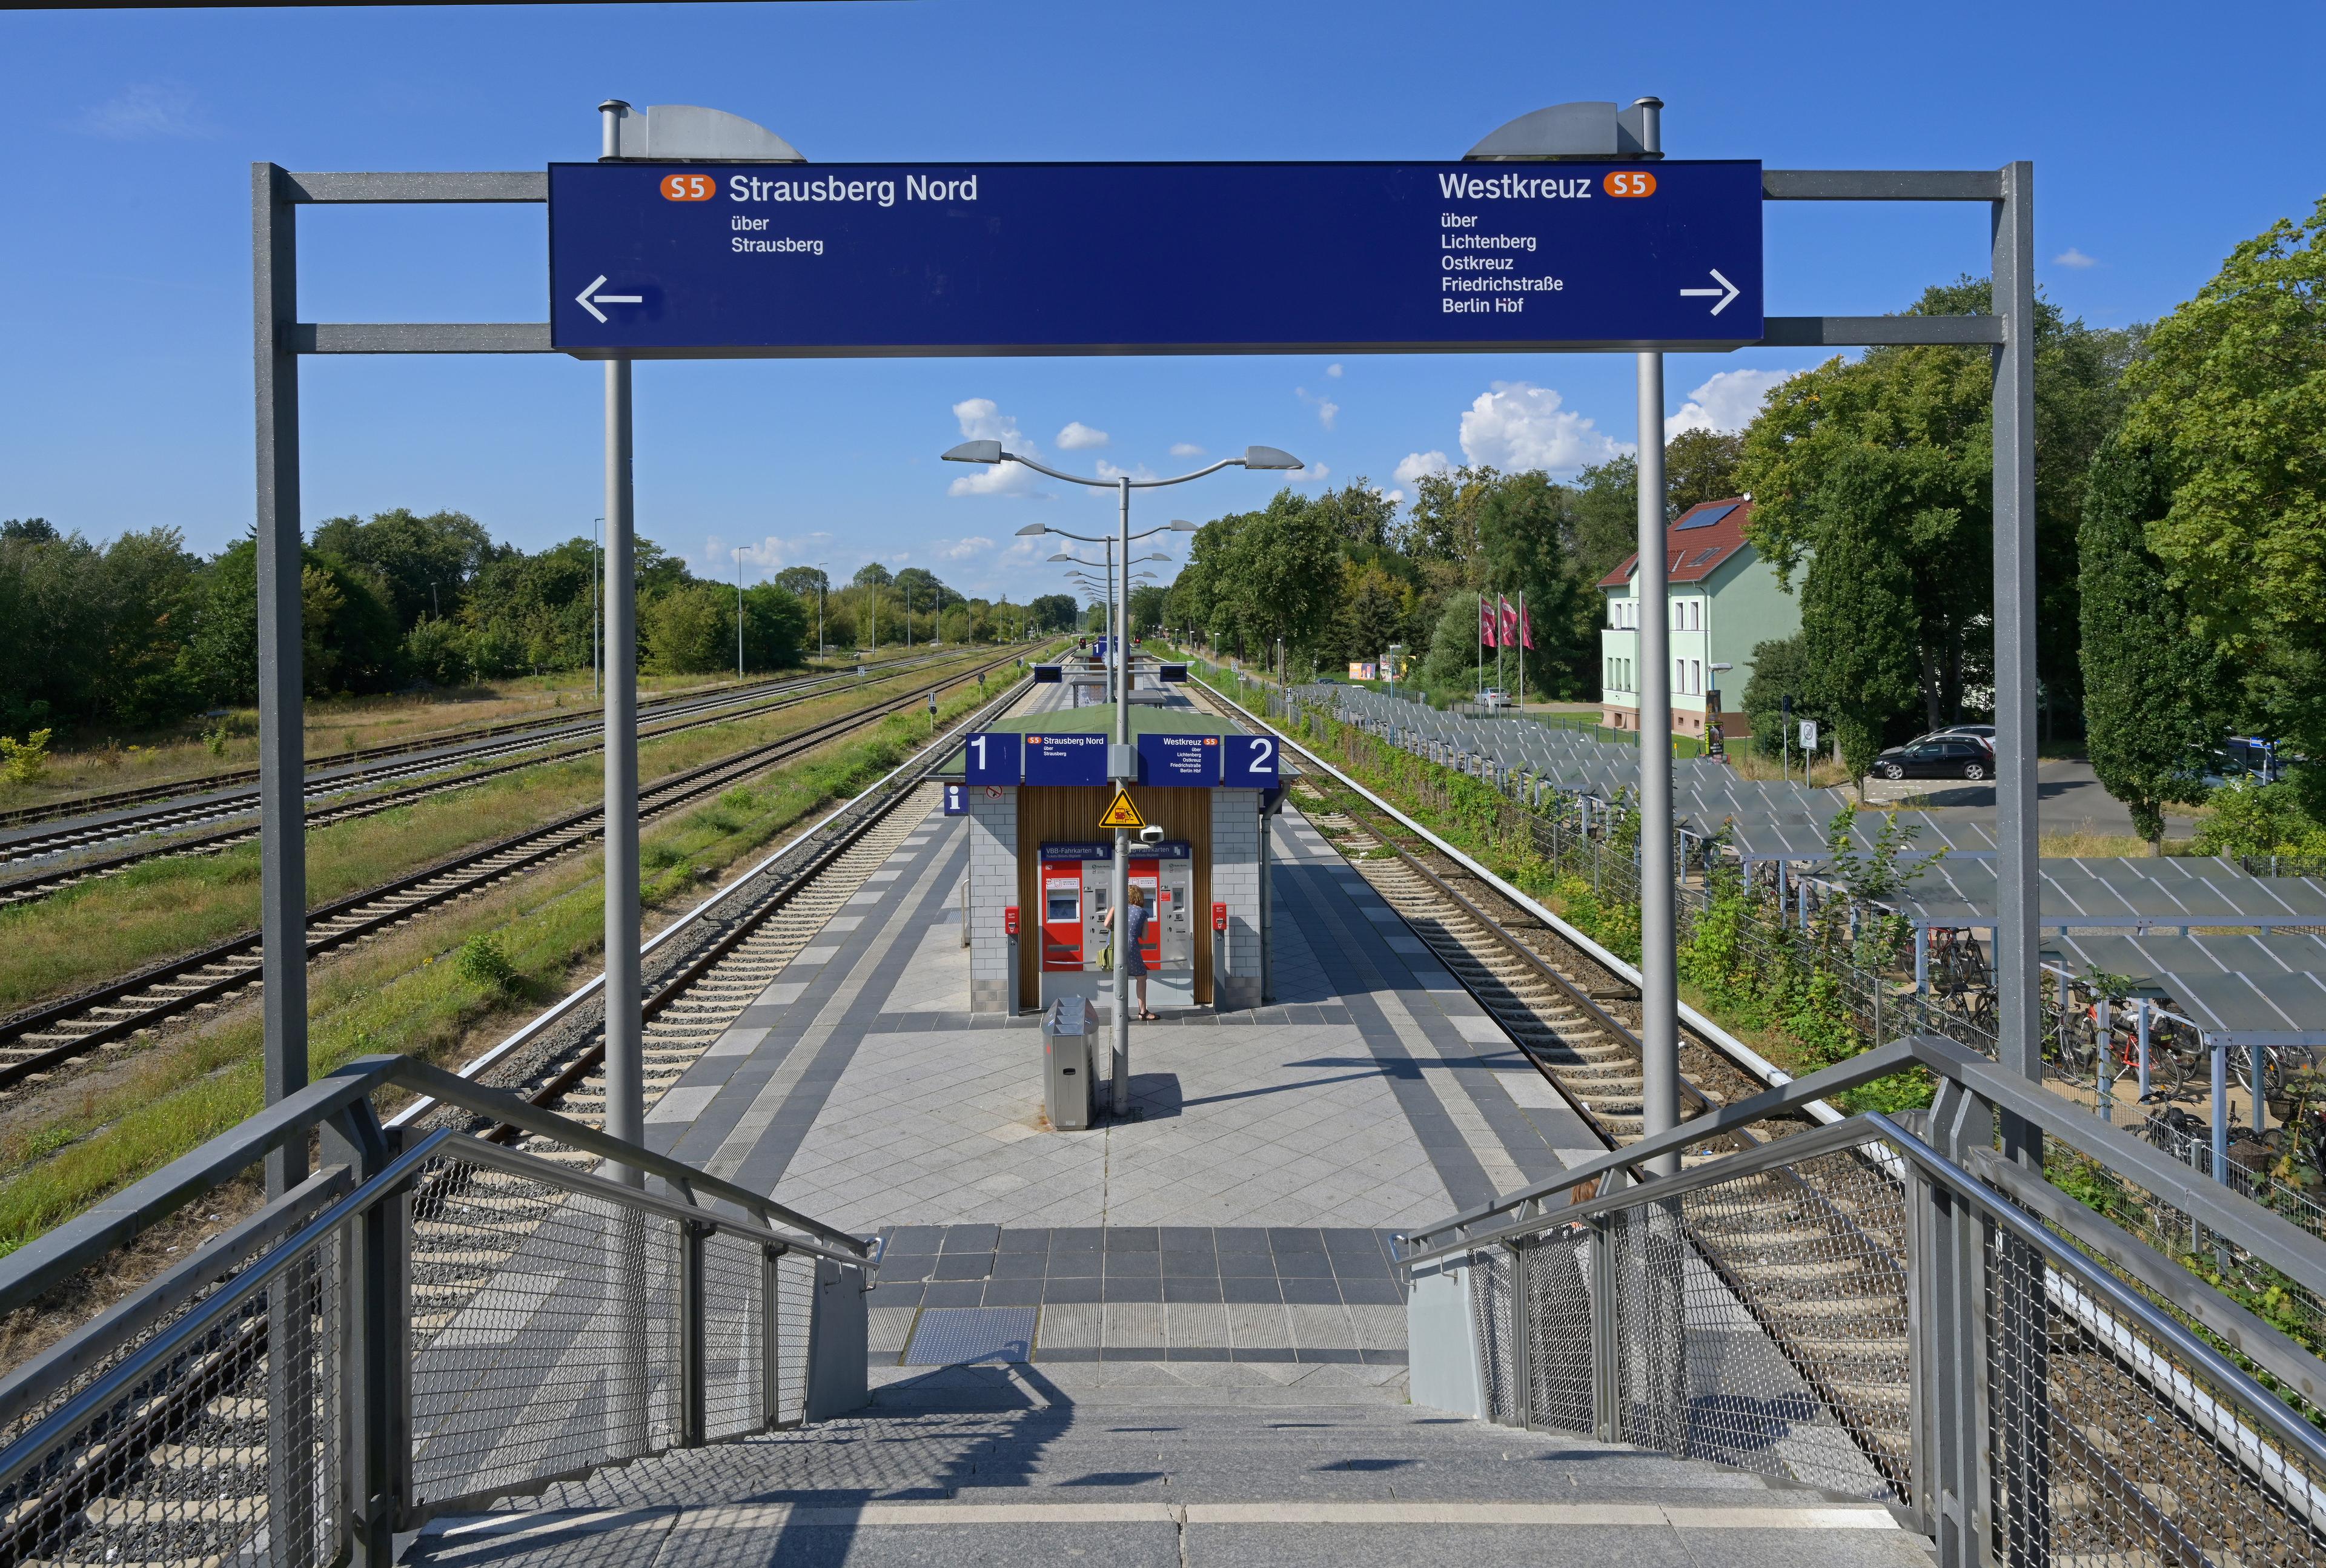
1941, 756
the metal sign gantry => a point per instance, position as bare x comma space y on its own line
645, 315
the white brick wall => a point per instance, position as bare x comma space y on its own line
1236, 881
992, 888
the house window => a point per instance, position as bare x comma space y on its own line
1696, 676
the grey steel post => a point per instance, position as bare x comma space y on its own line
629, 1389
281, 727
1522, 1410
1658, 960
625, 1028
1948, 1312
2019, 1028
2023, 1438
693, 1327
1120, 1068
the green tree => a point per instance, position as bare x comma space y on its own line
806, 581
1054, 612
1860, 626
777, 627
872, 574
2230, 395
1606, 516
1442, 523
425, 564
1526, 535
1452, 659
689, 630
2152, 688
1780, 669
1930, 408
1700, 466
1283, 579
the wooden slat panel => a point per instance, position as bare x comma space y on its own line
1050, 814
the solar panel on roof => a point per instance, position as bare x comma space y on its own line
1708, 518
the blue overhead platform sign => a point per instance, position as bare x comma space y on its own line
1066, 759
706, 260
991, 758
1189, 761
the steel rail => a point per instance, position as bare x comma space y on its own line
551, 840
437, 771
662, 707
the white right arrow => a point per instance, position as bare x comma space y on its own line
589, 299
1732, 291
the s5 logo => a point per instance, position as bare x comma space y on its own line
697, 187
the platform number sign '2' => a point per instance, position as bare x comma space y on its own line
1251, 761
992, 757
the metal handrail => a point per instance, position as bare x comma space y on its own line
63, 1423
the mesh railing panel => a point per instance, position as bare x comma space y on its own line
2107, 1447
543, 1332
227, 1450
226, 1267
1764, 1324
1555, 1276
1495, 1334
732, 1336
794, 1302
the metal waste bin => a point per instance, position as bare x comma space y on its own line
1067, 1090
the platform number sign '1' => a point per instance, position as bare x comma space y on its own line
992, 757
1251, 761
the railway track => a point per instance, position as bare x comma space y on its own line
204, 1433
40, 1042
75, 868
575, 719
1578, 1021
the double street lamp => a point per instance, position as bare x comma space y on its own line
1122, 766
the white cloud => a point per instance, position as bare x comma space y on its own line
1107, 470
1314, 474
1394, 497
964, 548
771, 553
981, 420
1078, 435
146, 110
2072, 257
1727, 402
1333, 369
1328, 411
1186, 449
1517, 425
1418, 466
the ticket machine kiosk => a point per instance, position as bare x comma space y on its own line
1076, 883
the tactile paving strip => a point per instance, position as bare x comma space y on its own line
958, 1336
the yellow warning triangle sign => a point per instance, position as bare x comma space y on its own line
1122, 814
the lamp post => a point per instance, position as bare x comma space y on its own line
823, 583
1122, 765
597, 570
738, 612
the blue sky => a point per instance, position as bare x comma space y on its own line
2160, 140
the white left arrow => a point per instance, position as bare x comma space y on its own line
1731, 294
589, 299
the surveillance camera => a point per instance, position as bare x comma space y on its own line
1151, 834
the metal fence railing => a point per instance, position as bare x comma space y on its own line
413, 1332
1894, 1311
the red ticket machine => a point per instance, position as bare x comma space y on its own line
1062, 916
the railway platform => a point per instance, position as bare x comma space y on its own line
1177, 1338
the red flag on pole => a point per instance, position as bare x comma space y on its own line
1526, 624
1485, 625
1510, 622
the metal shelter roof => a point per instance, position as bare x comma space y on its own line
2240, 990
